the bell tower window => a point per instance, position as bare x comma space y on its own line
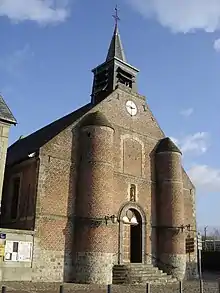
124, 77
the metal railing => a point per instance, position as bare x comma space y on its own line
211, 245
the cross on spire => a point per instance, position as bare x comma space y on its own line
115, 16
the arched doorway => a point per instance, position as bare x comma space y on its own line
132, 234
136, 239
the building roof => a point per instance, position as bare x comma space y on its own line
116, 49
95, 118
167, 145
5, 113
32, 143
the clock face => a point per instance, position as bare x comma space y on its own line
131, 108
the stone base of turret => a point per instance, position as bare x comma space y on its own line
191, 271
173, 264
93, 268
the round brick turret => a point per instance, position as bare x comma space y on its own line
170, 217
95, 231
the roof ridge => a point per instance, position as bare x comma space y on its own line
5, 112
20, 149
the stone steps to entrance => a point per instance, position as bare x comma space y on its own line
139, 274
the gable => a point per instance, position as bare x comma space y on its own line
114, 109
5, 113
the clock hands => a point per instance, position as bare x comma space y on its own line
131, 108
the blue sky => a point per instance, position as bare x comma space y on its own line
49, 47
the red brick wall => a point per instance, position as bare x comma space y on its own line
27, 199
55, 192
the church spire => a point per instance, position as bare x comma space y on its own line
116, 49
114, 71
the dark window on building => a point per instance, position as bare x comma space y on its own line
15, 197
15, 246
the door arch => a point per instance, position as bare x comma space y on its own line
127, 247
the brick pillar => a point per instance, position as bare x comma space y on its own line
171, 239
96, 239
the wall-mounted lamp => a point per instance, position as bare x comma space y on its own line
113, 218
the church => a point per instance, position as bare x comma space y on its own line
102, 189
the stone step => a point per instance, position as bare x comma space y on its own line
161, 274
143, 280
146, 274
147, 268
152, 277
135, 265
154, 282
140, 274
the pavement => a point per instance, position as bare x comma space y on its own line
210, 285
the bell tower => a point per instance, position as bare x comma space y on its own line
115, 70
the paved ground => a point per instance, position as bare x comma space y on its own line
210, 286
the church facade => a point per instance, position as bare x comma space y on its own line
102, 188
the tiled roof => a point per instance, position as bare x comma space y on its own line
167, 145
33, 142
95, 118
116, 48
5, 113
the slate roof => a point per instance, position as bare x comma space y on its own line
167, 145
33, 142
5, 113
95, 118
116, 48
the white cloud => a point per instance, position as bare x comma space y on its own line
182, 15
14, 63
187, 112
40, 11
197, 143
205, 177
217, 45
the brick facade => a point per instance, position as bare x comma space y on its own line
86, 175
83, 177
27, 172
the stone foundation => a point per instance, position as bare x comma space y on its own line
93, 268
191, 271
52, 266
173, 264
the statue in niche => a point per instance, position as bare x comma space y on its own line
132, 192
